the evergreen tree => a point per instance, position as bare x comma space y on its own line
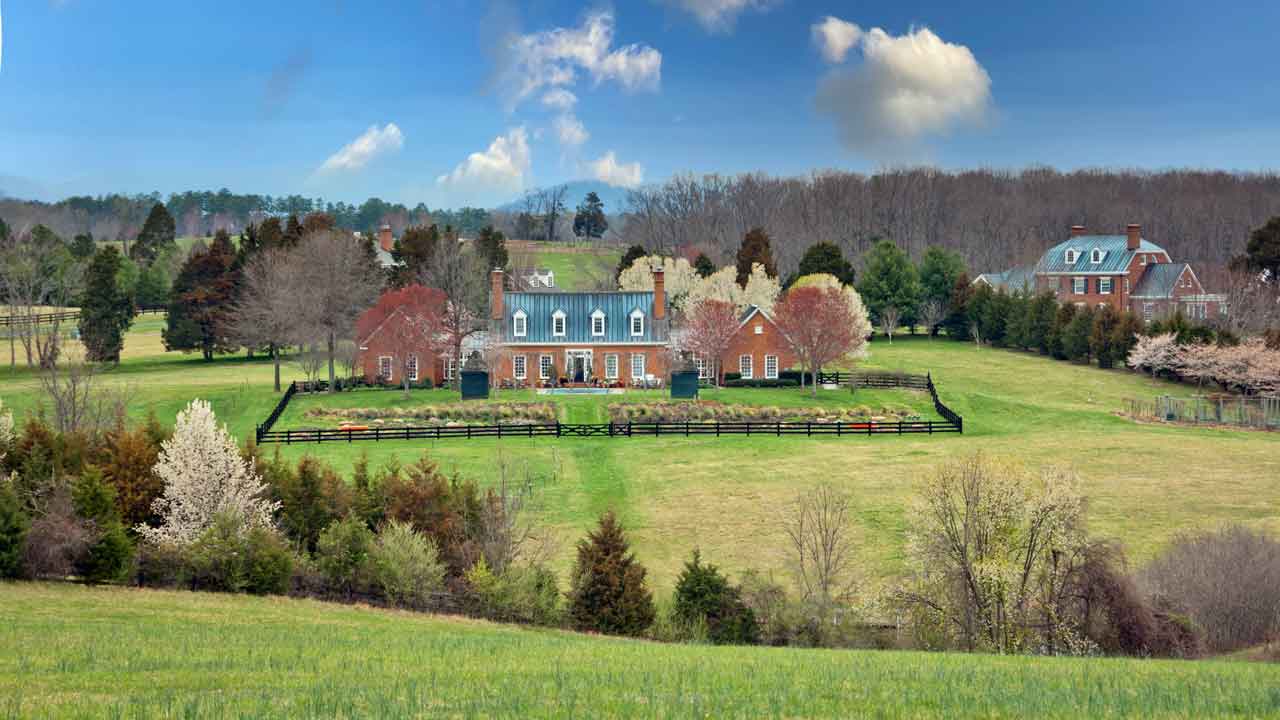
292, 233
158, 233
1058, 331
1263, 250
939, 269
250, 243
4, 231
491, 245
703, 594
413, 252
270, 234
590, 220
106, 310
1040, 315
152, 289
1103, 335
994, 320
1125, 337
704, 266
957, 321
1017, 325
633, 253
825, 257
608, 593
1075, 338
200, 301
755, 250
110, 550
890, 279
83, 246
13, 530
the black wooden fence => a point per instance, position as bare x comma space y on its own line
64, 316
874, 380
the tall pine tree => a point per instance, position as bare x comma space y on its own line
608, 594
491, 245
755, 249
158, 234
590, 221
106, 310
825, 257
890, 280
200, 301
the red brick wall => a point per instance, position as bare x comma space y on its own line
655, 362
429, 364
747, 342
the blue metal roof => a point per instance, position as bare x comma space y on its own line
1115, 254
1015, 280
578, 308
1159, 280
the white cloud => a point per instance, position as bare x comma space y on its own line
503, 166
719, 15
608, 170
554, 58
569, 130
906, 87
359, 152
835, 37
559, 99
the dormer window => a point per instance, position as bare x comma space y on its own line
520, 324
597, 323
637, 323
1096, 256
1072, 256
558, 323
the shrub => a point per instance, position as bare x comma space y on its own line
268, 562
110, 551
311, 498
1226, 581
127, 459
778, 383
13, 530
703, 594
405, 565
441, 508
230, 557
161, 565
608, 592
520, 594
342, 552
57, 540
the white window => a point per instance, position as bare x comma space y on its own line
637, 365
518, 366
412, 368
637, 323
519, 324
1196, 311
1071, 256
385, 367
1079, 285
1126, 284
544, 367
771, 367
744, 366
597, 323
611, 367
1096, 256
450, 367
759, 328
1148, 309
557, 323
1142, 259
704, 367
1104, 286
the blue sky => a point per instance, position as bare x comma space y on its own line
275, 97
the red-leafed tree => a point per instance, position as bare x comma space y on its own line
412, 321
709, 329
818, 324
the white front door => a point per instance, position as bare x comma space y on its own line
577, 365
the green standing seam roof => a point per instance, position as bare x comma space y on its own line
1159, 280
1115, 259
577, 308
1018, 279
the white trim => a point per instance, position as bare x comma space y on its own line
746, 366
1110, 287
597, 315
563, 321
1077, 288
412, 363
771, 374
544, 369
759, 329
611, 374
519, 367
636, 314
641, 358
1071, 256
520, 324
390, 362
1096, 256
566, 343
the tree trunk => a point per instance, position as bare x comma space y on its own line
275, 360
331, 341
813, 383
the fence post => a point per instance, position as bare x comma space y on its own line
839, 428
808, 428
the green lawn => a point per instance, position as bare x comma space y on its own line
574, 268
69, 651
1145, 482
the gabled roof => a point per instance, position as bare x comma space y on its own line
577, 308
1017, 279
1115, 259
1159, 281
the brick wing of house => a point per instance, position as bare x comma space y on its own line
580, 338
1125, 271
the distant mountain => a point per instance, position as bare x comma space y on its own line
613, 196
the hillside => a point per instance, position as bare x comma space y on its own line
70, 651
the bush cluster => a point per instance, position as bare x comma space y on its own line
473, 413
711, 411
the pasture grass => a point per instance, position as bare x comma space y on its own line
576, 268
71, 651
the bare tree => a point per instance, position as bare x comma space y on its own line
267, 310
889, 319
817, 529
39, 279
462, 278
932, 313
80, 404
551, 203
337, 281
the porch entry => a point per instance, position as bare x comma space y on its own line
577, 364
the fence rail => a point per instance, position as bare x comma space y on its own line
874, 380
1254, 412
951, 423
66, 315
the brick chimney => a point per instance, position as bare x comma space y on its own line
385, 240
1134, 231
495, 295
1077, 230
659, 294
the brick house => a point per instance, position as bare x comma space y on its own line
1126, 271
587, 338
381, 359
757, 351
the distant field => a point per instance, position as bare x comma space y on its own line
577, 267
69, 651
1145, 482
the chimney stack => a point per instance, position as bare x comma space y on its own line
659, 294
1077, 230
385, 240
495, 295
1134, 231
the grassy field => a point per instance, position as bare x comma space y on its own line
576, 267
1145, 482
69, 651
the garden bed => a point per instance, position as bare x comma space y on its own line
711, 411
511, 413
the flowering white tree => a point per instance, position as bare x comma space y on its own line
204, 476
761, 290
1155, 354
679, 277
6, 431
720, 285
